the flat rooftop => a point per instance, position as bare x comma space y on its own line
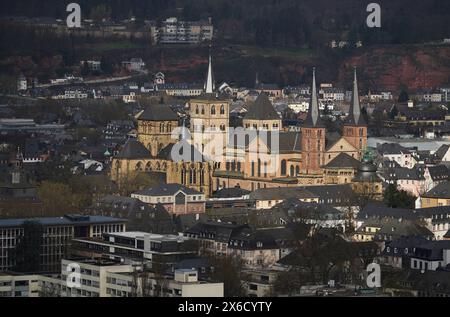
60, 221
154, 237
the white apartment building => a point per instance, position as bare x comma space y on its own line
173, 31
109, 279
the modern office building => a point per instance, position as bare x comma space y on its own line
57, 235
137, 247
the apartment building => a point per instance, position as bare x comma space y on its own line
173, 31
102, 278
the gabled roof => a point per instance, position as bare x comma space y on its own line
343, 160
167, 190
230, 193
217, 231
281, 193
192, 154
442, 190
439, 172
441, 151
264, 238
134, 149
158, 113
392, 149
381, 211
401, 173
262, 109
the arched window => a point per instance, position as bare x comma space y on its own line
202, 177
292, 170
183, 177
196, 109
253, 168
265, 169
148, 167
233, 166
192, 177
227, 166
238, 166
259, 168
297, 170
169, 127
139, 167
161, 127
222, 109
283, 167
203, 109
213, 110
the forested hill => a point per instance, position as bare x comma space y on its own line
286, 23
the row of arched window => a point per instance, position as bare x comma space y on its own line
213, 110
191, 176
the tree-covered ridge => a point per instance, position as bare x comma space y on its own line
273, 22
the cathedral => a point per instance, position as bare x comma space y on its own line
311, 156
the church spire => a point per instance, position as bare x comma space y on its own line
313, 117
209, 85
354, 114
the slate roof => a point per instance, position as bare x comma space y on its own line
442, 190
134, 149
260, 239
295, 207
400, 173
343, 160
439, 154
167, 190
403, 243
290, 141
332, 194
281, 193
230, 193
432, 250
331, 138
262, 109
439, 172
193, 155
217, 231
392, 149
158, 113
379, 210
447, 235
392, 229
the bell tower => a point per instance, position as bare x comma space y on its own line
355, 127
313, 136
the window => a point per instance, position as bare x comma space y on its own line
213, 110
283, 167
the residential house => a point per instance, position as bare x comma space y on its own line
176, 199
438, 196
431, 256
